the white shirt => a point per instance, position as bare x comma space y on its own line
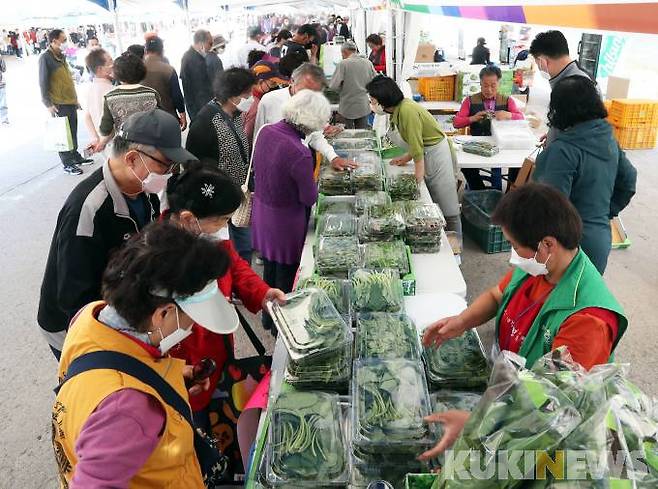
95, 98
270, 110
244, 50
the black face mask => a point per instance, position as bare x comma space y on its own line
308, 46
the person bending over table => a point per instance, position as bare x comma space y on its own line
414, 129
553, 297
477, 111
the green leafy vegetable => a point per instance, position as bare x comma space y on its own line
401, 182
336, 256
481, 148
380, 223
334, 182
387, 336
377, 290
335, 204
338, 290
424, 223
354, 143
336, 225
366, 198
368, 175
391, 254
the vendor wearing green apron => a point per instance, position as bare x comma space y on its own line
553, 297
419, 134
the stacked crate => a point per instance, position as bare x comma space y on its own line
635, 122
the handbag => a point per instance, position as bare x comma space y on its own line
242, 216
213, 463
57, 135
235, 387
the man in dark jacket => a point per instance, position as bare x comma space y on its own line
162, 78
103, 212
59, 96
481, 54
197, 86
213, 61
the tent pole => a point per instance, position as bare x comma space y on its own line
117, 28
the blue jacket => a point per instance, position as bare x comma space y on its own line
586, 163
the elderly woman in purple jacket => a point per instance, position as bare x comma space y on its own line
285, 188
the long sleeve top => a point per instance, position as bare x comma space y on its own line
461, 119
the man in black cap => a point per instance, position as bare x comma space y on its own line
103, 212
481, 53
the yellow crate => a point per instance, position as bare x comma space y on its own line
437, 88
630, 113
636, 137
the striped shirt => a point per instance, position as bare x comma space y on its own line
125, 101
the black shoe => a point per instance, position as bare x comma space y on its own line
73, 170
85, 162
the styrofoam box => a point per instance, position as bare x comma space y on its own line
513, 134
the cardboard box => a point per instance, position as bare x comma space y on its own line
425, 53
617, 87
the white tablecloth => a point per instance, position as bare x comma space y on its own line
506, 158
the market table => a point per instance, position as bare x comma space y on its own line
449, 106
506, 158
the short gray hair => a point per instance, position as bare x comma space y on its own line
202, 35
311, 70
308, 110
349, 46
120, 146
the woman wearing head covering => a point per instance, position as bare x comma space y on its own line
111, 429
268, 78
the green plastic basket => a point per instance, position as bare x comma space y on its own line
477, 208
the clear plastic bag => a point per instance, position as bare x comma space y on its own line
335, 204
377, 290
336, 225
366, 198
386, 254
380, 223
336, 256
356, 134
306, 444
386, 336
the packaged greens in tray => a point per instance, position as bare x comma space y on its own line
366, 198
309, 324
335, 204
424, 223
334, 182
356, 134
401, 182
354, 143
338, 291
446, 400
336, 225
387, 336
389, 401
306, 444
380, 223
481, 148
377, 290
368, 175
329, 372
385, 254
336, 256
459, 362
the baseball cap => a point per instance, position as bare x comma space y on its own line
265, 70
210, 309
218, 41
157, 128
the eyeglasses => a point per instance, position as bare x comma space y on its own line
169, 166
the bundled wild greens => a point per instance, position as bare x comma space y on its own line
481, 148
334, 182
356, 134
366, 198
335, 204
385, 254
387, 336
380, 223
306, 443
424, 223
336, 256
377, 290
338, 291
368, 175
336, 225
401, 182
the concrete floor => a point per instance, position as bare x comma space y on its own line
32, 190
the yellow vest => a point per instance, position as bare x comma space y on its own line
173, 463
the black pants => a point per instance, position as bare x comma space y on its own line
56, 353
360, 123
278, 276
473, 178
71, 112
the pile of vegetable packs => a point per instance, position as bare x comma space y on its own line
377, 290
401, 182
386, 254
336, 256
335, 204
368, 174
386, 336
335, 182
306, 443
380, 223
423, 226
366, 198
557, 405
355, 144
318, 340
336, 225
458, 363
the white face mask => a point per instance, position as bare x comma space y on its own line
543, 71
153, 183
377, 109
168, 342
245, 104
221, 235
64, 46
529, 265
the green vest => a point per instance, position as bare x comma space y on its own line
581, 287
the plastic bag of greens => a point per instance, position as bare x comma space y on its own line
457, 363
519, 411
336, 256
366, 198
380, 223
391, 254
336, 225
306, 446
377, 290
334, 182
368, 175
401, 182
388, 336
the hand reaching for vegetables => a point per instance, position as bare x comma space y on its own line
445, 329
453, 422
401, 160
274, 295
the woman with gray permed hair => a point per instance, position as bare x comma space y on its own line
285, 188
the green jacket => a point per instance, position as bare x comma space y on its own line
55, 80
586, 164
581, 287
416, 126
